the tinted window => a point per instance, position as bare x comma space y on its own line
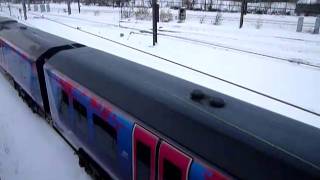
65, 98
81, 110
105, 137
80, 118
143, 161
64, 103
171, 171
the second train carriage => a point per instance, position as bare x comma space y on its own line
139, 123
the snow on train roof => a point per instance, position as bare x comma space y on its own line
29, 41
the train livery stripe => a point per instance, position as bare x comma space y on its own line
16, 49
142, 136
174, 156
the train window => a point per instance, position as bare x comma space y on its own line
171, 171
80, 108
106, 127
65, 98
64, 105
143, 161
81, 118
105, 136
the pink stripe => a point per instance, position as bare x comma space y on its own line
176, 157
147, 138
23, 54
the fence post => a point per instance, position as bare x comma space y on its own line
317, 26
48, 7
29, 6
79, 6
35, 8
24, 8
69, 7
243, 12
285, 8
9, 9
42, 8
155, 19
300, 24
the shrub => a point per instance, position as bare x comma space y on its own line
166, 15
259, 23
202, 19
96, 13
218, 19
142, 14
126, 12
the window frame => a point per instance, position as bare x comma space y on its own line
80, 108
64, 97
106, 127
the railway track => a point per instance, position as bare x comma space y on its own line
190, 68
166, 34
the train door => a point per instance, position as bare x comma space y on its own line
172, 163
154, 159
144, 154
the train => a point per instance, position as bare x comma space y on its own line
128, 121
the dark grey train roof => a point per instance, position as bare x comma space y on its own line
244, 140
30, 40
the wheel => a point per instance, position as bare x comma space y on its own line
96, 176
15, 85
88, 169
49, 120
34, 108
81, 162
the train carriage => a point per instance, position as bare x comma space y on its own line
24, 50
139, 123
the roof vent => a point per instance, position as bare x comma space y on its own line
197, 95
207, 100
217, 102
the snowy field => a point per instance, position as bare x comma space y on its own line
221, 51
29, 148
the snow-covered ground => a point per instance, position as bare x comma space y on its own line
29, 148
276, 35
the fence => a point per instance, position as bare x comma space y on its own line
145, 14
285, 7
223, 6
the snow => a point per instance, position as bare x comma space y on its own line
29, 147
277, 35
290, 82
